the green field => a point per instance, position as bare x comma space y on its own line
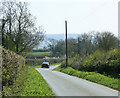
39, 53
33, 55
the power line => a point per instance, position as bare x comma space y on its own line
95, 11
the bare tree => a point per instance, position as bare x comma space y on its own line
18, 27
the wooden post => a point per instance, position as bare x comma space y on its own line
66, 44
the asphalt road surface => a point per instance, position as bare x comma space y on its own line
66, 85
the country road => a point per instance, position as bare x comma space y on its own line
66, 85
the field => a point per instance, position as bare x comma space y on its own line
37, 55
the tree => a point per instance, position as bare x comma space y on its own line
85, 44
19, 33
72, 47
60, 48
106, 41
57, 47
51, 44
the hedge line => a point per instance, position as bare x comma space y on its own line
12, 65
35, 62
100, 61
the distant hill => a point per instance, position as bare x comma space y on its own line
60, 36
57, 37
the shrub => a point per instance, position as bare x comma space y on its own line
99, 61
12, 64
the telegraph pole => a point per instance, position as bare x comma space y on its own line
78, 45
66, 43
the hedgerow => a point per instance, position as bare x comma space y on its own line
13, 66
34, 62
100, 61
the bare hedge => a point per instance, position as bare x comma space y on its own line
12, 64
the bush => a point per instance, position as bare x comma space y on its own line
18, 85
12, 64
99, 61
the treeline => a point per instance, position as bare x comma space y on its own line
17, 27
93, 52
85, 44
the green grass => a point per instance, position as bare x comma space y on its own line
54, 64
32, 85
92, 76
38, 66
33, 55
35, 85
39, 53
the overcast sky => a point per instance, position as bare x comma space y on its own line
81, 15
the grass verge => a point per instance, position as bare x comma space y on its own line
91, 76
35, 85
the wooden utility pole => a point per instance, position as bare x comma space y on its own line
66, 43
78, 45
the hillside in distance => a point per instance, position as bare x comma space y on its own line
60, 36
56, 37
